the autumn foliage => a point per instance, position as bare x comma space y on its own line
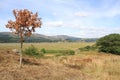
25, 23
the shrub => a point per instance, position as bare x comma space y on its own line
58, 52
43, 50
66, 53
32, 51
88, 48
69, 52
52, 51
109, 44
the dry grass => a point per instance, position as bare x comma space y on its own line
82, 66
98, 67
45, 69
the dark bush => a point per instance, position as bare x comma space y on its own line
109, 44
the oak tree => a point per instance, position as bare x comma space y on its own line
24, 24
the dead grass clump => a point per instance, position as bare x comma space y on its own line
76, 63
30, 61
1, 58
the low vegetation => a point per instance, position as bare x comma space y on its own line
58, 52
33, 51
83, 65
89, 48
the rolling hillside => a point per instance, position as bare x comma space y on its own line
6, 37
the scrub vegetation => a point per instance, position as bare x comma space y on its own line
82, 65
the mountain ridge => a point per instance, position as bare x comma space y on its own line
7, 37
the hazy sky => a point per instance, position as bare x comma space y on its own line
80, 18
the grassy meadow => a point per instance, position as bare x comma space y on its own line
84, 65
53, 46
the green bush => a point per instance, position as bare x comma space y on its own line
52, 51
58, 52
69, 52
32, 51
43, 50
66, 53
88, 48
109, 44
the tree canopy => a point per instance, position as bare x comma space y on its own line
25, 23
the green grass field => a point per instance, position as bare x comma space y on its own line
85, 65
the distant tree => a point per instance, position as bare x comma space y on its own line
109, 44
24, 25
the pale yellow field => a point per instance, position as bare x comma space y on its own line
90, 65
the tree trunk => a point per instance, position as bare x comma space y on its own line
21, 42
21, 54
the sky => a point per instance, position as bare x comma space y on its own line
78, 18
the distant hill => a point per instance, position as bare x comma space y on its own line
7, 37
